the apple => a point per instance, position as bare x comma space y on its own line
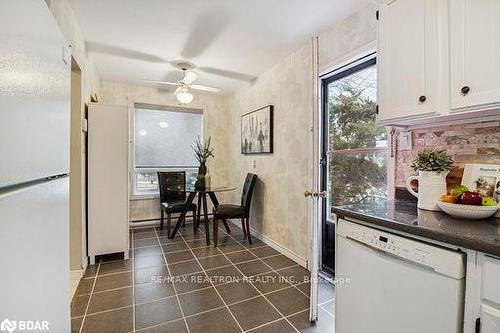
489, 201
458, 190
471, 198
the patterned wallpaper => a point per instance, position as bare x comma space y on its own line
279, 210
473, 143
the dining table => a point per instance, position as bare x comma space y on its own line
202, 193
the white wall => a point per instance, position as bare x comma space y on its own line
89, 84
348, 39
65, 18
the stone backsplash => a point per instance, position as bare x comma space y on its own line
473, 143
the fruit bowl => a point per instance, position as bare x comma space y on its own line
467, 211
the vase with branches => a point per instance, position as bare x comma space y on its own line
202, 152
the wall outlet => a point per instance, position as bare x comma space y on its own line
404, 141
254, 164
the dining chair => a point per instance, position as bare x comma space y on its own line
173, 196
234, 211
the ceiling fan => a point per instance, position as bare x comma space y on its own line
186, 84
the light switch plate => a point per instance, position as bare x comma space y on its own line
404, 141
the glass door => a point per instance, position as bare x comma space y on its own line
354, 147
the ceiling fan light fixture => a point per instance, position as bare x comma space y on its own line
189, 77
183, 96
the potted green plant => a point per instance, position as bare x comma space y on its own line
202, 151
432, 167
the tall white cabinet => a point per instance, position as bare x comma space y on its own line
438, 60
108, 180
474, 54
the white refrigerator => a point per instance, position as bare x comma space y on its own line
34, 161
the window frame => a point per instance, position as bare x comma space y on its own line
134, 194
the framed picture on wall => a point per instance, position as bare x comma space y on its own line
257, 131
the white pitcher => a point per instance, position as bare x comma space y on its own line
431, 186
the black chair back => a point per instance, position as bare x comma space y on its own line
172, 186
246, 193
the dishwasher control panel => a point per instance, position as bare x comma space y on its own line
437, 258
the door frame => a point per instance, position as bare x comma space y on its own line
314, 181
317, 144
340, 72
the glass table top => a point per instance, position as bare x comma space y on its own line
215, 188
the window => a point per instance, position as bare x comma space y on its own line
162, 142
355, 147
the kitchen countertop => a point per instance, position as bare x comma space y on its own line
479, 235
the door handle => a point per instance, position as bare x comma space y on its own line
322, 194
308, 193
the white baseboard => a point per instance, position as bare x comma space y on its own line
278, 247
74, 279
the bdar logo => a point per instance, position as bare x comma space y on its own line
8, 325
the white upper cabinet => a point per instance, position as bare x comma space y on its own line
439, 60
474, 54
409, 73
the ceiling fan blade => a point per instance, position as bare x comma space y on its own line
124, 53
204, 88
189, 77
163, 82
209, 25
228, 74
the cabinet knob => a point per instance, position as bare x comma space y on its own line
465, 90
422, 99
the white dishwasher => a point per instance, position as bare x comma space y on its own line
392, 284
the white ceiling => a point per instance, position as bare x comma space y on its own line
229, 41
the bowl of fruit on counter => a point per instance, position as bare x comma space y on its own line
462, 203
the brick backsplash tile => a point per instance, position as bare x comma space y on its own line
490, 151
475, 144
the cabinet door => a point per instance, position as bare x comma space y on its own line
408, 59
490, 319
474, 54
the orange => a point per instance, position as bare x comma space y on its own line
448, 198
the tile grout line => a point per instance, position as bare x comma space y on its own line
275, 321
275, 270
173, 285
189, 274
219, 308
217, 291
328, 312
199, 247
108, 310
108, 274
185, 293
90, 297
279, 312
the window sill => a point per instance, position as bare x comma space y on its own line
135, 197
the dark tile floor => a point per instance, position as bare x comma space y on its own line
181, 285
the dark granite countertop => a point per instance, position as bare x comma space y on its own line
480, 235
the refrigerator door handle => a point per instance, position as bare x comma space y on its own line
5, 190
